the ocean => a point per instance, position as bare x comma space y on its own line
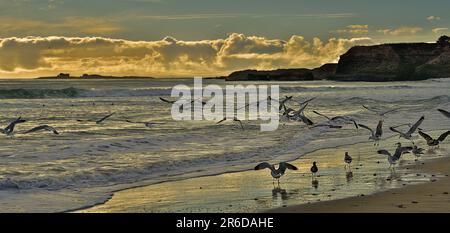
87, 162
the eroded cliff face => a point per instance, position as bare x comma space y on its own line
394, 62
378, 63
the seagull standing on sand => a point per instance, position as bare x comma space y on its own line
431, 142
9, 130
399, 151
408, 134
375, 135
348, 160
42, 128
276, 173
314, 169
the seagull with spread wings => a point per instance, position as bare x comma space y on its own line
380, 113
9, 130
42, 128
374, 135
445, 113
412, 129
235, 119
431, 142
276, 173
393, 158
98, 121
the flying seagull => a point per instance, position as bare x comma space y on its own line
411, 130
100, 120
399, 151
337, 118
328, 125
380, 113
173, 101
41, 128
417, 151
9, 130
434, 142
276, 173
283, 102
445, 113
234, 119
375, 135
147, 124
300, 115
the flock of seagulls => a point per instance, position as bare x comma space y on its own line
299, 115
375, 136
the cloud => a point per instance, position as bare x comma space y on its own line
31, 56
439, 30
433, 18
401, 31
354, 29
87, 25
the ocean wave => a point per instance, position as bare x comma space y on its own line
343, 88
72, 92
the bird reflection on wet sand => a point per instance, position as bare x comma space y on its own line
349, 176
278, 190
315, 184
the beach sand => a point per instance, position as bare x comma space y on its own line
429, 197
376, 187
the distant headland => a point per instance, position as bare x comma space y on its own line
92, 76
377, 63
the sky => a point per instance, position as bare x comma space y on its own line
185, 38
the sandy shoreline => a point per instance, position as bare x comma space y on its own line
253, 191
433, 196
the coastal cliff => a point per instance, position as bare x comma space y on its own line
377, 63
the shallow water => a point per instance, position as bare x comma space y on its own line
86, 162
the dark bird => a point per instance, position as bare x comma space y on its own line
9, 130
434, 142
348, 159
445, 113
374, 135
276, 173
234, 119
104, 118
41, 128
399, 151
408, 134
167, 101
314, 169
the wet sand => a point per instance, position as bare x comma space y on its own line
253, 191
433, 196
